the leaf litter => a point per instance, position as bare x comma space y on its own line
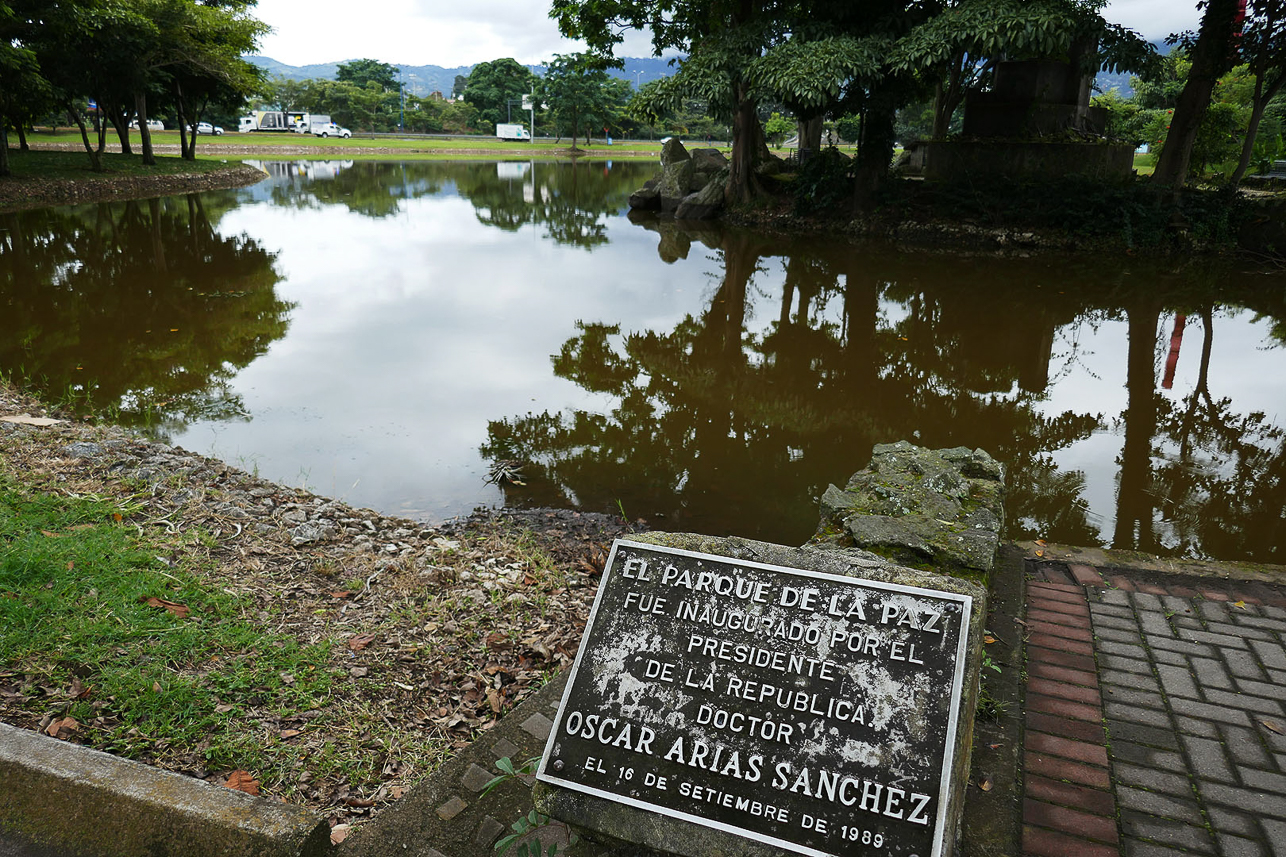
435, 632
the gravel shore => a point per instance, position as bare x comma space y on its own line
436, 631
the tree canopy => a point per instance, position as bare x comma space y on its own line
494, 87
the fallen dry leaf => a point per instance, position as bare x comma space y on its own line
29, 420
985, 783
51, 535
1272, 727
988, 639
243, 781
1241, 604
360, 641
180, 611
62, 729
339, 833
291, 733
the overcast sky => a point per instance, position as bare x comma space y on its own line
453, 33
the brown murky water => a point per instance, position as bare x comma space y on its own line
387, 332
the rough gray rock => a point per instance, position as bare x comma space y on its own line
708, 164
675, 183
646, 198
921, 508
672, 151
82, 449
705, 204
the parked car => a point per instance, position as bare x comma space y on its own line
207, 128
330, 129
152, 125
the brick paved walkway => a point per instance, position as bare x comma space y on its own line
1155, 715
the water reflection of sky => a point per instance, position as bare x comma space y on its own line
411, 333
1245, 366
426, 303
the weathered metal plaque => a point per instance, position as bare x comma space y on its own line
806, 710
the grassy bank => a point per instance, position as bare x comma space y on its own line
312, 146
165, 607
43, 164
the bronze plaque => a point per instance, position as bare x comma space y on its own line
811, 711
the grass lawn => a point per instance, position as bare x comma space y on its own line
58, 165
489, 147
141, 652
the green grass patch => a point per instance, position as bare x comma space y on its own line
83, 604
41, 164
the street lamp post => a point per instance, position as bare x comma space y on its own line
638, 74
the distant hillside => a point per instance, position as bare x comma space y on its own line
424, 79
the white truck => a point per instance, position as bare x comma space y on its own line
512, 132
272, 120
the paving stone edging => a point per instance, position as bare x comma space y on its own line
62, 799
1156, 705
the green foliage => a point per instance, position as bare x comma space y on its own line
777, 127
849, 127
1135, 214
494, 86
364, 72
824, 183
528, 824
580, 95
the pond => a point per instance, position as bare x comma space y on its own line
398, 334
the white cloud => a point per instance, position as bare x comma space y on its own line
1154, 19
436, 32
413, 32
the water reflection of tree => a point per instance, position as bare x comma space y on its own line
1217, 480
138, 309
570, 200
723, 429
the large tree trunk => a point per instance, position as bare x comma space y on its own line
1262, 97
1212, 56
144, 133
120, 121
4, 149
947, 98
876, 150
747, 144
21, 127
95, 158
810, 133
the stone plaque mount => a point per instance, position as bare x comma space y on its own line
810, 712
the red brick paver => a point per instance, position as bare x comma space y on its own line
1069, 809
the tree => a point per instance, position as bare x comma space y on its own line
1213, 55
458, 86
362, 73
494, 86
720, 39
579, 93
776, 128
1263, 44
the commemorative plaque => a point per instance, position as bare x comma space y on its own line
812, 712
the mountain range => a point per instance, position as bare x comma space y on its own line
423, 79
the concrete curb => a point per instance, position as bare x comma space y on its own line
63, 799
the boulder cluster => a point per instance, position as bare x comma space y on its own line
690, 185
